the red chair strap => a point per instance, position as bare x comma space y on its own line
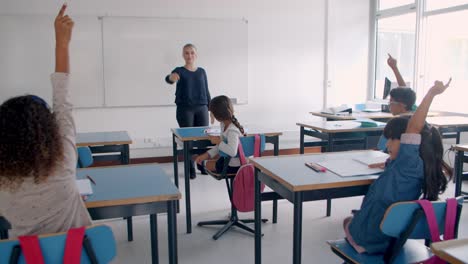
257, 146
31, 249
450, 218
431, 219
241, 154
73, 246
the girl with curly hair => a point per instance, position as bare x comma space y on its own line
38, 193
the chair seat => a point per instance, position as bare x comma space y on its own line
412, 252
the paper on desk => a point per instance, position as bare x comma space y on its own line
349, 168
84, 187
376, 158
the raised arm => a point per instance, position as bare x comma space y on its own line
417, 121
63, 30
392, 62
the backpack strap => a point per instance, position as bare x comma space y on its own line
73, 246
450, 218
241, 154
431, 219
31, 249
257, 146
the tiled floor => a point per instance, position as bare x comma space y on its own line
210, 201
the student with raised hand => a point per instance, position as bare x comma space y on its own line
228, 142
414, 168
192, 94
402, 98
38, 192
401, 102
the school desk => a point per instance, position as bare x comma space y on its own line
107, 142
450, 125
381, 116
191, 137
291, 179
460, 159
330, 132
132, 190
453, 251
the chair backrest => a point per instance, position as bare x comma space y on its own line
52, 246
248, 144
399, 216
85, 157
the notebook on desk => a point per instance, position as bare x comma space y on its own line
349, 168
84, 187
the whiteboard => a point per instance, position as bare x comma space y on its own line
140, 52
27, 49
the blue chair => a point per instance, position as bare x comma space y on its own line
404, 222
85, 157
248, 146
98, 247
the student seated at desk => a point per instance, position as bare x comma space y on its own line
415, 167
228, 142
402, 98
38, 192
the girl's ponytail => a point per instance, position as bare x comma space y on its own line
238, 125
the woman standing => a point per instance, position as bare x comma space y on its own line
192, 94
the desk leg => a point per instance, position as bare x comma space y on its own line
172, 231
125, 155
297, 228
457, 141
458, 172
154, 238
330, 149
129, 228
301, 141
276, 146
125, 159
175, 160
275, 201
188, 209
258, 221
330, 142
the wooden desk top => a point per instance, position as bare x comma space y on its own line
448, 121
129, 184
354, 115
339, 126
461, 147
454, 251
291, 171
357, 115
103, 138
198, 133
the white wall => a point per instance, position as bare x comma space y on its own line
286, 58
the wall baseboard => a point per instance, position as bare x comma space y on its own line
169, 159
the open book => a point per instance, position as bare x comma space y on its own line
337, 109
354, 166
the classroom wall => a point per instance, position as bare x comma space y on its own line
286, 62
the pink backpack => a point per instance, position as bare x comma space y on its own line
450, 217
244, 183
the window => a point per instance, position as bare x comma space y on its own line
447, 56
396, 36
439, 4
434, 43
386, 4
